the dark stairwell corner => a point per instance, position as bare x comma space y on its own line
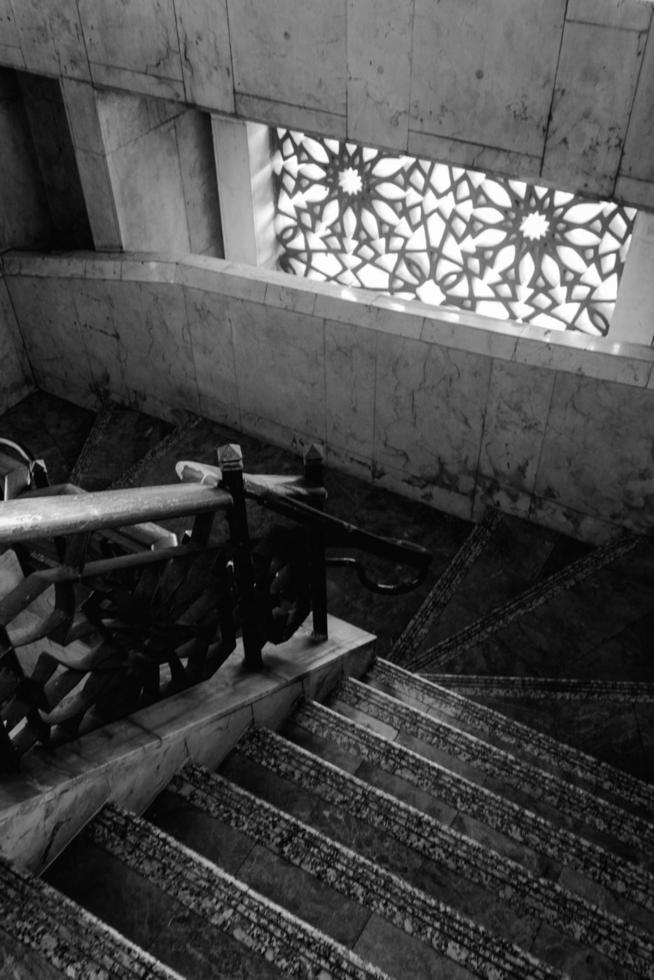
477, 802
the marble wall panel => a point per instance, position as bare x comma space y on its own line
210, 333
597, 451
296, 51
638, 157
200, 190
595, 86
10, 49
138, 37
16, 373
47, 315
379, 36
125, 118
206, 56
147, 185
156, 345
98, 307
483, 70
280, 367
350, 357
429, 411
51, 38
515, 420
631, 15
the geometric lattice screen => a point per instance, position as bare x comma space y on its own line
417, 229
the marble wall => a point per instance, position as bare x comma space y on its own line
15, 376
555, 89
434, 404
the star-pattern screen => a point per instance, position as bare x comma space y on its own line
442, 234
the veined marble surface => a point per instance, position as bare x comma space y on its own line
453, 409
16, 375
468, 83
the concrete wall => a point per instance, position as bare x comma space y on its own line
558, 90
556, 427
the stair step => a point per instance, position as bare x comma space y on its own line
418, 627
524, 688
118, 438
295, 948
448, 649
503, 816
424, 918
528, 743
133, 476
578, 920
505, 771
54, 937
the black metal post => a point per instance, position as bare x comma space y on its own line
230, 459
314, 473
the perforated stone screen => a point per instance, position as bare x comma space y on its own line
442, 234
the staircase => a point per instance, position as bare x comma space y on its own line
441, 816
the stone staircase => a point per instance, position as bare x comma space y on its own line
404, 825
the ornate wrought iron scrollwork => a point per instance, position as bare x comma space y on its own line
123, 624
442, 234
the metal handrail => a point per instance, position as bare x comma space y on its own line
26, 518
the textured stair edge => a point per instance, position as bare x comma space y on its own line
533, 597
295, 947
131, 476
602, 777
420, 915
572, 801
439, 596
94, 438
540, 899
518, 823
533, 688
67, 936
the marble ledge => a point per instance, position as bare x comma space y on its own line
273, 113
201, 723
143, 83
634, 192
568, 351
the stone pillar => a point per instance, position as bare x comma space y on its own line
80, 100
147, 171
245, 188
633, 317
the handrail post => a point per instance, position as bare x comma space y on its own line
230, 460
314, 475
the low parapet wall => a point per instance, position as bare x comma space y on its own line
450, 408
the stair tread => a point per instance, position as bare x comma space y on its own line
65, 938
522, 892
536, 688
553, 754
295, 948
118, 438
352, 875
485, 815
516, 777
452, 645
